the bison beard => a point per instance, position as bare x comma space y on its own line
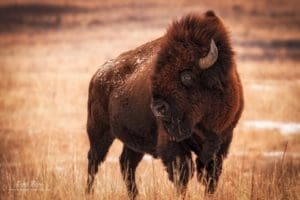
173, 97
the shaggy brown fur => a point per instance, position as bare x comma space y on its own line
197, 119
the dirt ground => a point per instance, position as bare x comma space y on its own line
50, 50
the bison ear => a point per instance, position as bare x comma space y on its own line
210, 13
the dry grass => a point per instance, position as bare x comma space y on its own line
45, 71
244, 178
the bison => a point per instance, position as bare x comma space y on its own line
172, 97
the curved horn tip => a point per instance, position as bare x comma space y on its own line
210, 58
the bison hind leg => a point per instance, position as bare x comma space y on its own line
100, 141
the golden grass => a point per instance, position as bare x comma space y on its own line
47, 177
43, 92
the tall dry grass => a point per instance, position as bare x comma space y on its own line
48, 177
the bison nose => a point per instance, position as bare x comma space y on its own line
160, 108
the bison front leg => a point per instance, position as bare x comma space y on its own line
209, 160
180, 172
209, 170
209, 174
129, 161
179, 166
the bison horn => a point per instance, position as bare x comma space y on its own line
210, 58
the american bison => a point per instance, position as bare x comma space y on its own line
171, 97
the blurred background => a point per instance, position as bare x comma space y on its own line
50, 49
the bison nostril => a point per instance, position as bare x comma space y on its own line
160, 108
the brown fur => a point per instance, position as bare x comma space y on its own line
122, 90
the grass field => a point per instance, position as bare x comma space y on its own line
49, 51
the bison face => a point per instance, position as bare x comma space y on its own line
174, 99
179, 98
184, 79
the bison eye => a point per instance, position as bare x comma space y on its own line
187, 78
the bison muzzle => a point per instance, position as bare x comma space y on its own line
172, 97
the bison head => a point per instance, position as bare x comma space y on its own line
190, 73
